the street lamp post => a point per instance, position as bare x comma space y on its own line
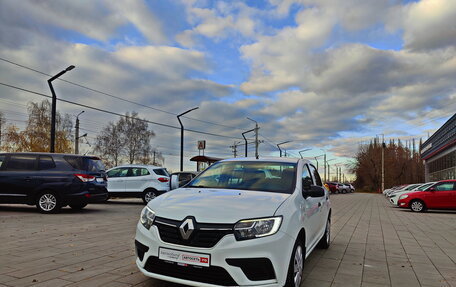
279, 144
383, 161
182, 138
76, 138
303, 151
317, 159
54, 106
329, 170
246, 143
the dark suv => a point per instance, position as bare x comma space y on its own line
51, 180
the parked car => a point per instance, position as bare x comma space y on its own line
386, 191
342, 188
233, 225
405, 188
181, 178
144, 181
394, 197
350, 187
332, 186
441, 195
51, 180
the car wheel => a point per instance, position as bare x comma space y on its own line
48, 202
352, 190
344, 191
296, 267
148, 195
417, 206
325, 241
78, 206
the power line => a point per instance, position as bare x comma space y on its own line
112, 96
116, 114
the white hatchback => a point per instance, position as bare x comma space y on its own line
241, 222
144, 181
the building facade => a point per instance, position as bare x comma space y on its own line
439, 153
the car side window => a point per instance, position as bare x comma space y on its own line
135, 171
444, 186
316, 175
144, 171
46, 162
118, 172
21, 162
306, 173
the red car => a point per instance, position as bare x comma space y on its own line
441, 195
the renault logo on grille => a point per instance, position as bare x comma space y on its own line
186, 228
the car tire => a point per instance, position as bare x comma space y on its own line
148, 195
325, 241
417, 206
296, 267
48, 202
78, 206
344, 191
352, 190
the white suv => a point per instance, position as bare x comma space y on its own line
241, 222
145, 181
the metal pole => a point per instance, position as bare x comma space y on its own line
54, 106
76, 139
243, 135
256, 140
182, 138
324, 161
329, 173
317, 162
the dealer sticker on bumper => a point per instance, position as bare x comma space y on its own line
183, 257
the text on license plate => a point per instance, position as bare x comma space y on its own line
184, 257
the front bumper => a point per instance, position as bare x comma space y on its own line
277, 248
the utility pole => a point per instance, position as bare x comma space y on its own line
245, 139
154, 159
256, 137
383, 161
324, 162
234, 147
76, 138
0, 131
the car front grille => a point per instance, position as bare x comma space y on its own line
210, 275
204, 235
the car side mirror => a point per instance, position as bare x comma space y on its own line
314, 191
432, 189
306, 183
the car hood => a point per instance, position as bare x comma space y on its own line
216, 205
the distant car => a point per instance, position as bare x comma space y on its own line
351, 188
342, 188
181, 178
144, 181
394, 197
52, 180
441, 195
386, 191
332, 186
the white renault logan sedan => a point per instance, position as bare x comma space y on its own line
242, 222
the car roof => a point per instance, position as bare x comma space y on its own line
270, 159
50, 153
137, 165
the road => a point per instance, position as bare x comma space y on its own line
373, 244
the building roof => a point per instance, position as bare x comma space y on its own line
442, 139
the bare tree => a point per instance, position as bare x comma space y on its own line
110, 143
137, 136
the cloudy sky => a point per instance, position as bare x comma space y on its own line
324, 74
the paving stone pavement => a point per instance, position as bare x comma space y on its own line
373, 245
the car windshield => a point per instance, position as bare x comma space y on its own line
245, 175
423, 187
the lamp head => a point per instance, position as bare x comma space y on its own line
69, 68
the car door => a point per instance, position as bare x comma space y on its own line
116, 179
323, 201
440, 195
18, 178
137, 180
310, 210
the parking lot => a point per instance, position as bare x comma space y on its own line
373, 244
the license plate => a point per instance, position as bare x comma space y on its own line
184, 257
99, 179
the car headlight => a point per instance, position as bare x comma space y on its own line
403, 196
254, 228
147, 217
